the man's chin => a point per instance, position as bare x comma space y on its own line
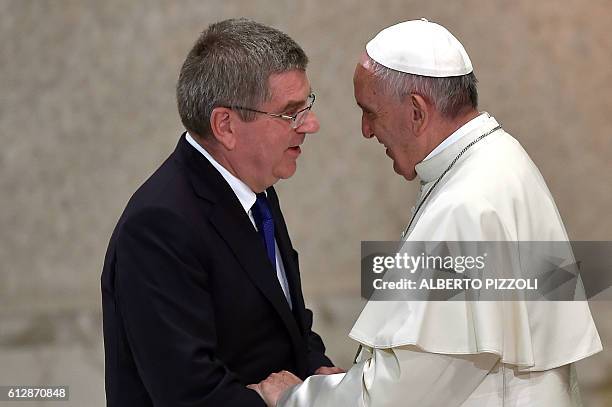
287, 171
409, 175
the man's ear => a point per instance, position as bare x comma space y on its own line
420, 114
223, 129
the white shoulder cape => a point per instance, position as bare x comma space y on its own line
493, 193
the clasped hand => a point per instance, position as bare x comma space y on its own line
273, 387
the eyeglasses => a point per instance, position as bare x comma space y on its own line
296, 119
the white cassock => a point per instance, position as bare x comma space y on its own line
468, 353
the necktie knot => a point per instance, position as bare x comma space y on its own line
261, 208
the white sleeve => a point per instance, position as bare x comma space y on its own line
403, 376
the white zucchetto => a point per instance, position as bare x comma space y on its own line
420, 47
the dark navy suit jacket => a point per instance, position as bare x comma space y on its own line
193, 310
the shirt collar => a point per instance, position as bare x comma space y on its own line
244, 194
460, 132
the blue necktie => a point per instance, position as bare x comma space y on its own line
265, 225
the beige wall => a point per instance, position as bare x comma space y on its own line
87, 112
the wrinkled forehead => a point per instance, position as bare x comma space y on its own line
290, 86
364, 78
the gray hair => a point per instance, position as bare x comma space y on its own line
448, 94
229, 65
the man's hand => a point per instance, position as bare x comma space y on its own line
325, 370
272, 388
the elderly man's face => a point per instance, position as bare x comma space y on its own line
386, 118
268, 147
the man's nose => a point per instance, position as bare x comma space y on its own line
310, 125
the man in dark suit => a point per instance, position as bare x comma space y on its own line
201, 290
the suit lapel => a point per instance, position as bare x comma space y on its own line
245, 243
234, 226
290, 263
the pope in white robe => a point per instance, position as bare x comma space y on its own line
459, 353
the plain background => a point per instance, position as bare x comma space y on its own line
87, 112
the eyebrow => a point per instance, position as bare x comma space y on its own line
293, 104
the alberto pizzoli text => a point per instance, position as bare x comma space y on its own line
458, 284
459, 264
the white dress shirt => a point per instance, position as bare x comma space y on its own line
247, 199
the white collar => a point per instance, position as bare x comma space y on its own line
245, 195
429, 170
460, 132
